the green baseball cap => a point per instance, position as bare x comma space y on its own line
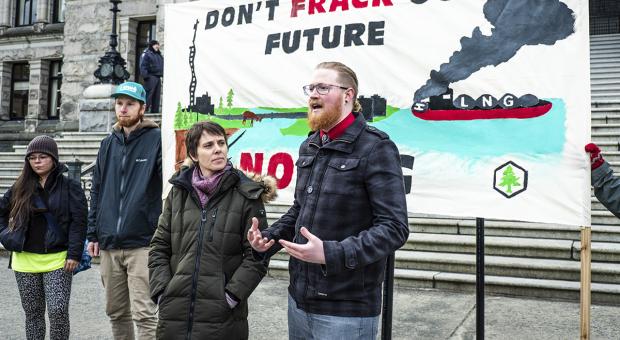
131, 89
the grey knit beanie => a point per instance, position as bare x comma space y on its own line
43, 144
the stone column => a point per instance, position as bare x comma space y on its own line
43, 11
5, 15
5, 91
128, 32
37, 94
97, 108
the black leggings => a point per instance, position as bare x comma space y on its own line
35, 289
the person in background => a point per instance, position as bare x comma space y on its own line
349, 214
151, 70
43, 224
202, 270
125, 203
606, 185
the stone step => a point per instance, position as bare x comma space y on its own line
603, 85
610, 47
505, 285
604, 54
512, 246
64, 149
600, 65
67, 144
605, 102
439, 225
604, 128
607, 144
606, 119
612, 136
84, 135
14, 172
605, 110
603, 38
605, 96
611, 156
507, 266
548, 269
615, 166
605, 76
606, 70
605, 89
603, 81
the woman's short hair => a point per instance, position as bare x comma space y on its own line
192, 136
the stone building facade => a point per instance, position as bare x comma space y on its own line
49, 50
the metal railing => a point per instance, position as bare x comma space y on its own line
83, 174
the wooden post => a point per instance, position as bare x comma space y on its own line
586, 275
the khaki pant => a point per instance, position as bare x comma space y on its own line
125, 277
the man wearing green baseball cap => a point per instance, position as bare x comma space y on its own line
131, 89
125, 203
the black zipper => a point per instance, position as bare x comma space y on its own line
122, 188
212, 226
192, 304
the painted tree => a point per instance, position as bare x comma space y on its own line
509, 180
178, 117
229, 98
221, 106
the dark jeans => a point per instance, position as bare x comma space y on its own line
152, 85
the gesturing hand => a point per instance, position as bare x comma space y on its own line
257, 241
310, 252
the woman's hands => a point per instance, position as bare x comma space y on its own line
70, 265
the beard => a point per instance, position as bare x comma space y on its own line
129, 122
325, 120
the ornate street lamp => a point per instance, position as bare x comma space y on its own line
111, 68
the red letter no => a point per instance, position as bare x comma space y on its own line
246, 163
286, 161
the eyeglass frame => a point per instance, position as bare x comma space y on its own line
308, 92
41, 157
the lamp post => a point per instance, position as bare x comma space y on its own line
111, 68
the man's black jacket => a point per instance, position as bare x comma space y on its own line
151, 63
350, 194
125, 198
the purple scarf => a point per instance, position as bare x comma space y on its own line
205, 186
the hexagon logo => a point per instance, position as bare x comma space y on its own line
510, 179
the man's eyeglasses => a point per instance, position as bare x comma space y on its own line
39, 157
321, 89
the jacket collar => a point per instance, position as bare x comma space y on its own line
143, 126
183, 178
344, 143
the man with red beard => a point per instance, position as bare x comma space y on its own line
348, 215
125, 204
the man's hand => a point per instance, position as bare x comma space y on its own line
70, 265
310, 252
93, 249
596, 159
257, 241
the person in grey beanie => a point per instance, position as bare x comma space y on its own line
43, 224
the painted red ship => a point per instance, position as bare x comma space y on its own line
509, 106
